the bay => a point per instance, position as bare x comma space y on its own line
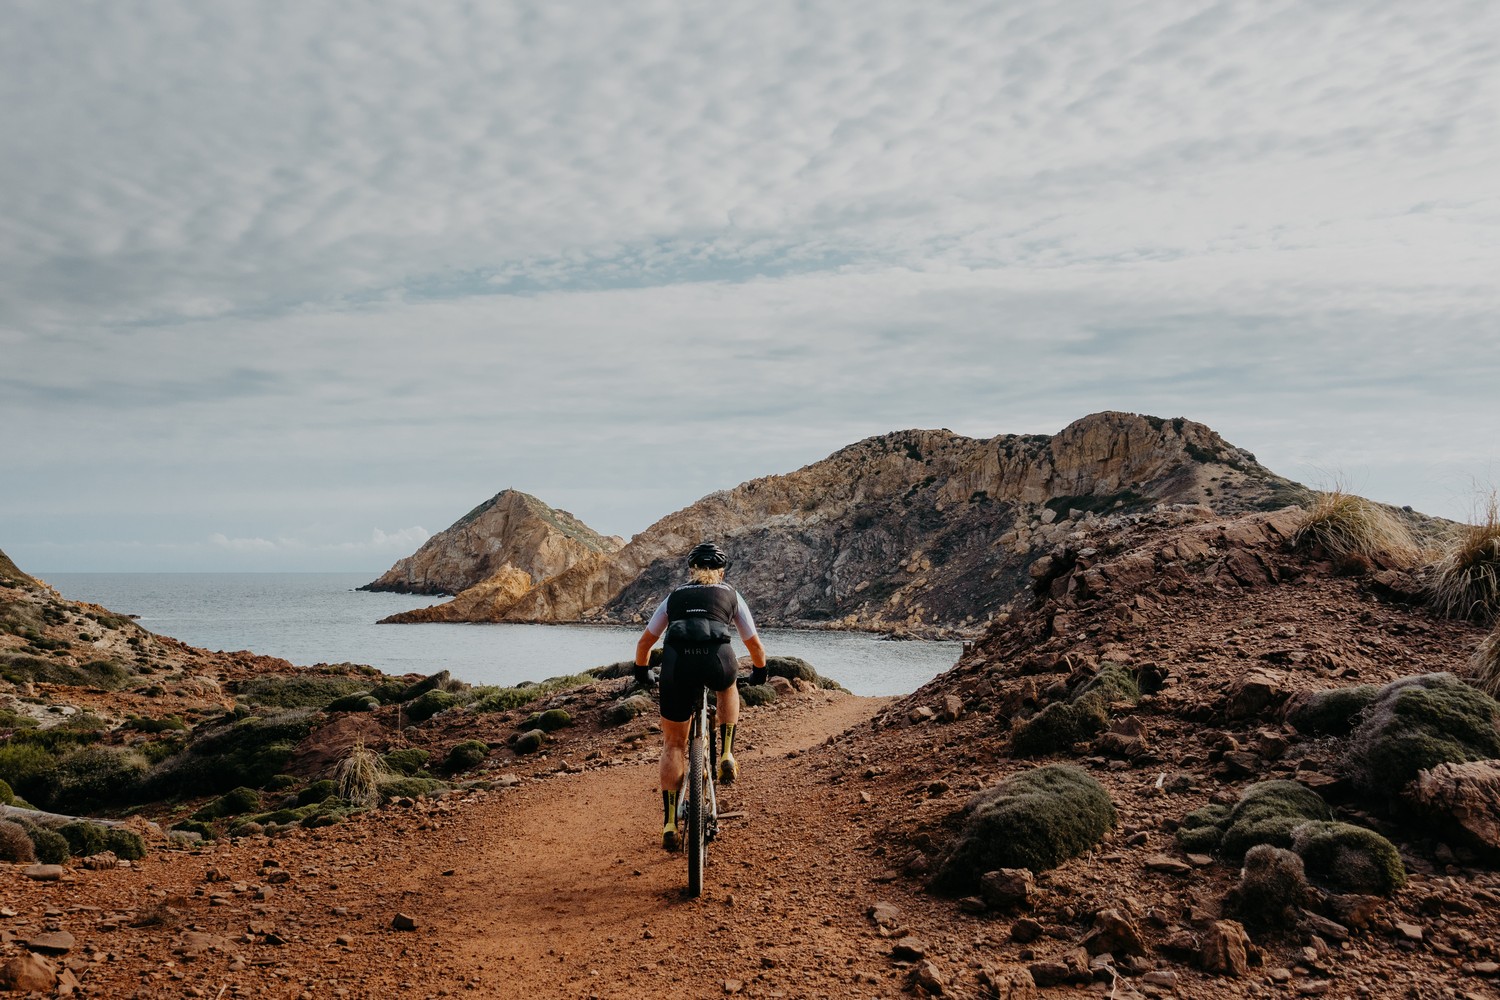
310, 618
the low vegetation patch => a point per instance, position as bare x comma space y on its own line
754, 695
466, 756
1484, 665
85, 839
231, 803
503, 699
1417, 723
358, 774
407, 761
1036, 819
1267, 813
1086, 713
1465, 580
392, 788
430, 703
1272, 887
298, 690
15, 845
237, 749
1350, 529
549, 721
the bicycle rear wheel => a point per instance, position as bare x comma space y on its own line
697, 847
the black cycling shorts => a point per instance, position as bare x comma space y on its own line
684, 676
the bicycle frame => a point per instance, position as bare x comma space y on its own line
702, 760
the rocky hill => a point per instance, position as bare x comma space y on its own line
509, 535
905, 531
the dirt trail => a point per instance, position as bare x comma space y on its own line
562, 891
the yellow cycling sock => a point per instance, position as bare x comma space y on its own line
726, 739
669, 809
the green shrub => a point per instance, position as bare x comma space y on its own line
94, 778
317, 791
85, 839
407, 761
1036, 819
1417, 723
549, 721
10, 719
391, 788
626, 709
281, 782
145, 724
127, 845
1267, 813
199, 827
1272, 887
388, 692
7, 795
28, 769
235, 750
231, 803
1330, 713
50, 846
466, 755
529, 741
360, 701
430, 703
1113, 683
1202, 829
298, 691
15, 845
1349, 858
754, 695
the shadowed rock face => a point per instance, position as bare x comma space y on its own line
912, 529
510, 532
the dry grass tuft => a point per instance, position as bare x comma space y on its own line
1484, 665
358, 775
1352, 529
1465, 580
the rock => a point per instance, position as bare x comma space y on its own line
1026, 930
953, 708
1047, 974
734, 985
402, 922
1254, 693
1410, 932
52, 942
921, 713
1007, 888
1115, 933
973, 904
1008, 984
1467, 795
1164, 978
27, 974
909, 949
103, 861
44, 873
928, 979
1168, 865
1224, 948
783, 687
1323, 927
884, 914
1354, 910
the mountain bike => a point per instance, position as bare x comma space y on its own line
697, 804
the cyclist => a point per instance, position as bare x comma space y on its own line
696, 620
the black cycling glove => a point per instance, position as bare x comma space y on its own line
758, 676
642, 675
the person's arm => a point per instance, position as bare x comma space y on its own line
643, 647
654, 628
745, 623
758, 658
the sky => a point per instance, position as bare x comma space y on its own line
292, 286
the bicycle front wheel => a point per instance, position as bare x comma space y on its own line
697, 846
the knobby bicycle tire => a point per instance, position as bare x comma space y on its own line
697, 847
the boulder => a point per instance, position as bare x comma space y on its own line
1116, 933
1007, 888
1255, 693
1224, 948
1467, 795
27, 974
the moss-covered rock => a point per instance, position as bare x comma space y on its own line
626, 709
430, 703
1417, 723
529, 742
1330, 713
1062, 724
549, 721
391, 788
231, 803
792, 668
84, 839
359, 701
1349, 858
318, 791
755, 695
1201, 830
1036, 819
407, 760
1268, 813
466, 755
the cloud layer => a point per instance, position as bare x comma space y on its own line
282, 271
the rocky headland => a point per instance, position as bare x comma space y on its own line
916, 531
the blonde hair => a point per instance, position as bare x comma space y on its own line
705, 577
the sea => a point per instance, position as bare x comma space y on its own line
311, 618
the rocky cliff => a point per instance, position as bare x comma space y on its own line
910, 530
510, 533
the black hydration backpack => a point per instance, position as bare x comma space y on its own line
700, 616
